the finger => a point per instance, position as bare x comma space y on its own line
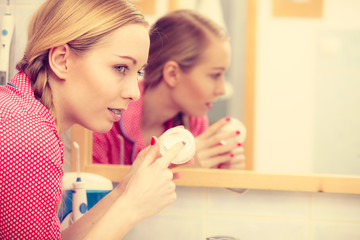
215, 139
176, 175
215, 127
166, 159
191, 161
152, 153
214, 161
238, 151
235, 148
217, 150
236, 165
238, 162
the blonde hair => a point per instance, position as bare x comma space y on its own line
181, 36
79, 23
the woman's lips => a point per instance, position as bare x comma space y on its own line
209, 105
115, 110
115, 113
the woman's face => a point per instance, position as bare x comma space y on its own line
103, 80
199, 88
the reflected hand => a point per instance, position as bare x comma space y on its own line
210, 153
237, 160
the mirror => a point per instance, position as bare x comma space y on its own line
229, 104
280, 107
306, 113
236, 72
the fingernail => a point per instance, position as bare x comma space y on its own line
184, 143
237, 132
232, 155
239, 144
153, 140
227, 119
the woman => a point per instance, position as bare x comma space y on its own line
80, 66
188, 57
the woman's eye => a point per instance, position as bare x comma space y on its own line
216, 76
121, 69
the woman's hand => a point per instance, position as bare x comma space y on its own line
211, 153
149, 184
145, 190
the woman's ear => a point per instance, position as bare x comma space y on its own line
171, 73
58, 57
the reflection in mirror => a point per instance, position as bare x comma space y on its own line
179, 88
307, 115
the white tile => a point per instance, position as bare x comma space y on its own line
172, 227
259, 203
257, 228
342, 207
335, 231
189, 200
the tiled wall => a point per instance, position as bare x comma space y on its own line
254, 215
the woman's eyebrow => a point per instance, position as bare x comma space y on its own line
127, 57
219, 68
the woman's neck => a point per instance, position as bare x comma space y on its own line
158, 107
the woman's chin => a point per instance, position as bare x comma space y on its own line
103, 128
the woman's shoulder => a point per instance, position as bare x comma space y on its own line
31, 136
26, 118
18, 101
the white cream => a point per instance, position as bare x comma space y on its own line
175, 135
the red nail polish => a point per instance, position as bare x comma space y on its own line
239, 144
232, 155
227, 119
153, 140
184, 143
237, 132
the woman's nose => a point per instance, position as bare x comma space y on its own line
132, 90
220, 89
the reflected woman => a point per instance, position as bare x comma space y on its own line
189, 55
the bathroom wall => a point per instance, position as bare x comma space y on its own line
255, 214
22, 11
